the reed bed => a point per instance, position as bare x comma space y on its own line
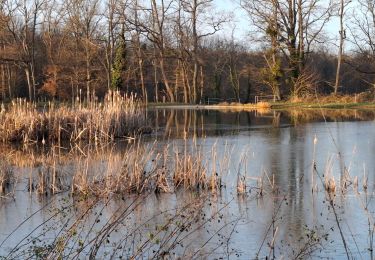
148, 168
136, 168
118, 116
263, 105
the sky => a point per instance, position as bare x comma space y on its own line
241, 23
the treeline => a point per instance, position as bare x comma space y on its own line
170, 50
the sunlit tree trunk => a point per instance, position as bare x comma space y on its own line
139, 52
158, 22
341, 44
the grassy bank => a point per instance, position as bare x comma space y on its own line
285, 105
224, 105
333, 105
363, 100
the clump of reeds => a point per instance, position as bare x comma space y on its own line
194, 172
117, 116
6, 179
145, 168
49, 181
190, 172
365, 179
241, 184
241, 177
263, 105
330, 184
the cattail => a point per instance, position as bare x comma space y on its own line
241, 185
330, 185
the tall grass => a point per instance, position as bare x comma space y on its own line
118, 116
144, 170
6, 179
148, 168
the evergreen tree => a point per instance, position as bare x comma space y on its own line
119, 64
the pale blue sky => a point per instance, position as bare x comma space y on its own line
242, 23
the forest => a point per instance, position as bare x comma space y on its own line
175, 50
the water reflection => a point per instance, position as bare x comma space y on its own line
193, 123
278, 147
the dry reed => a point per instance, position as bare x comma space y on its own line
147, 168
263, 105
6, 179
117, 116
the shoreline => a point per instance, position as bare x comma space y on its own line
273, 106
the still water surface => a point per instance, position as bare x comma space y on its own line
292, 218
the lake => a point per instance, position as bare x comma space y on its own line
288, 184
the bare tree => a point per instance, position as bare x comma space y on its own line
23, 22
138, 48
362, 31
113, 22
8, 56
363, 27
83, 21
342, 35
197, 11
291, 26
157, 35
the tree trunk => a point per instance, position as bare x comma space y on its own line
144, 91
139, 53
32, 65
292, 48
201, 84
195, 50
195, 81
341, 44
33, 81
156, 82
166, 82
30, 89
185, 85
275, 69
248, 91
3, 88
9, 74
301, 45
88, 76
